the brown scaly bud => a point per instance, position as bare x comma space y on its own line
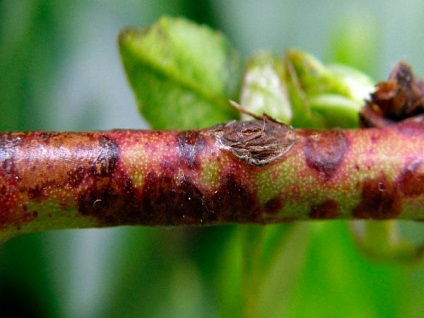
401, 97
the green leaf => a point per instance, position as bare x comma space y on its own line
324, 96
264, 89
182, 74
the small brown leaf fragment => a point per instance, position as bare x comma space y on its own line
401, 97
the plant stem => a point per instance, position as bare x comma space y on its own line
240, 172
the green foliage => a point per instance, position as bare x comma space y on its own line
324, 96
182, 74
302, 91
264, 88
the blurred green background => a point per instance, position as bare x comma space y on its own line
60, 70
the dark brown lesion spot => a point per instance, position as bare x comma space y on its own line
161, 201
29, 216
106, 158
235, 201
8, 146
100, 203
274, 205
328, 209
113, 202
165, 202
9, 182
380, 199
10, 140
36, 193
190, 143
324, 151
411, 180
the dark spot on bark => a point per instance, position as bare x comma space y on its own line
164, 201
8, 198
235, 202
189, 145
46, 136
9, 190
274, 205
35, 194
8, 144
9, 140
8, 165
28, 216
112, 200
324, 152
4, 213
107, 157
99, 203
167, 200
380, 200
411, 181
329, 209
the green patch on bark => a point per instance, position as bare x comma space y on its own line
46, 216
209, 174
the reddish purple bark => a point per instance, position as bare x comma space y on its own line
211, 176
